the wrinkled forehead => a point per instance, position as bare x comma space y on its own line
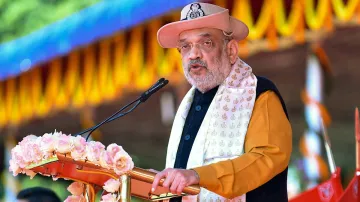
195, 34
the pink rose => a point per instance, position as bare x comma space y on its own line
112, 185
14, 167
93, 151
113, 149
26, 146
27, 139
108, 198
107, 157
76, 188
79, 148
30, 173
106, 161
18, 157
47, 144
35, 151
122, 163
75, 199
64, 144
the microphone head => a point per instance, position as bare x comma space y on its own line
153, 89
157, 83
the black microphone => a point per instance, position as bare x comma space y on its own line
148, 95
153, 90
159, 84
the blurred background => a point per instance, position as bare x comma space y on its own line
66, 65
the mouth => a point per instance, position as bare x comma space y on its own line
196, 67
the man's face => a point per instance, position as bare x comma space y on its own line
22, 200
204, 58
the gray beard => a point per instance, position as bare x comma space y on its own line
211, 80
207, 83
214, 78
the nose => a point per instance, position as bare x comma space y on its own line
195, 53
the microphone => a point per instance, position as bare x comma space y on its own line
158, 85
148, 95
153, 89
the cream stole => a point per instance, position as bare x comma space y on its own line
222, 133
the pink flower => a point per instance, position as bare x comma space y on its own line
64, 144
30, 173
107, 157
122, 163
26, 147
112, 185
18, 157
35, 151
108, 198
106, 161
47, 144
14, 167
113, 149
93, 151
79, 150
76, 188
75, 199
27, 139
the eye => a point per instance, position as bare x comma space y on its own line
208, 43
184, 46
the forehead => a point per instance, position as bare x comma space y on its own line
200, 33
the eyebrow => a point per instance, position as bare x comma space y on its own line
204, 35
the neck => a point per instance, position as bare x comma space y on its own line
203, 91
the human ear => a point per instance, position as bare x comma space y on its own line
233, 51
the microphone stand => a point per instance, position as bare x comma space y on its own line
112, 117
159, 84
89, 129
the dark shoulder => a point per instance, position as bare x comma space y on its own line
264, 85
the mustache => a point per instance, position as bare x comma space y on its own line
198, 62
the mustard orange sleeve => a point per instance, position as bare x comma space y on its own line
268, 146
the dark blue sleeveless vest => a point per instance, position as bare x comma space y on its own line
274, 190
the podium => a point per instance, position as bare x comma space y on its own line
135, 183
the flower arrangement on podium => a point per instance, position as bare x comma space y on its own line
77, 189
36, 149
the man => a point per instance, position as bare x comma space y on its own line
37, 194
231, 134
